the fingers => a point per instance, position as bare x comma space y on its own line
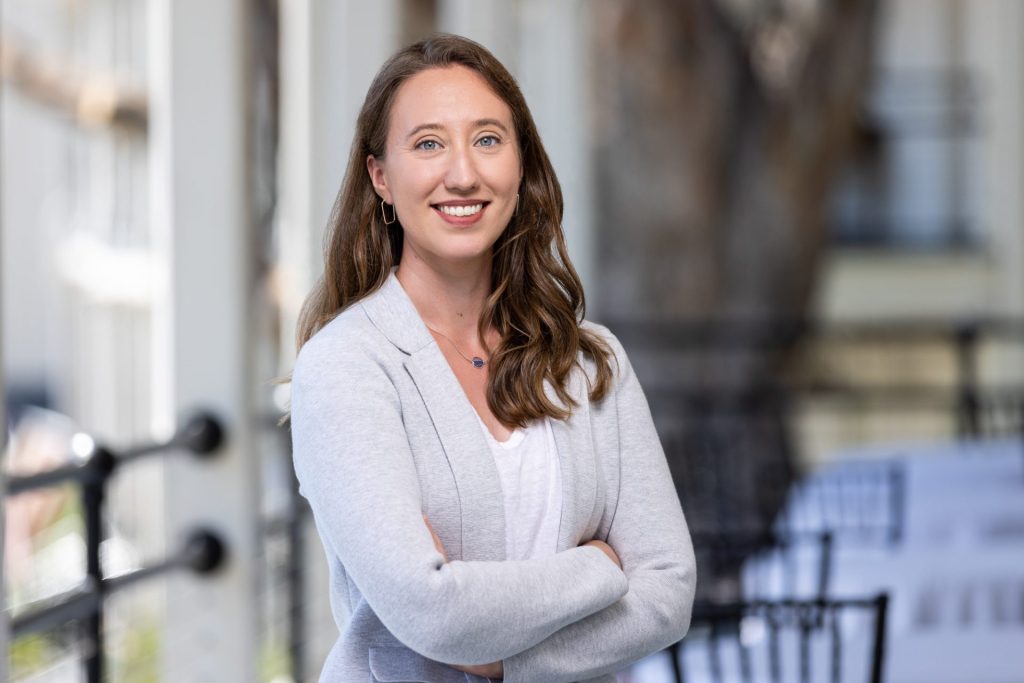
607, 550
495, 670
437, 539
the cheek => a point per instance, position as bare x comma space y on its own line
517, 172
402, 195
507, 176
413, 183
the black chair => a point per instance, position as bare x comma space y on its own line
784, 641
764, 564
856, 501
994, 412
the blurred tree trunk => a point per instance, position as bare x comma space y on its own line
720, 128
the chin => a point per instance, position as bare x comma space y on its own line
466, 256
469, 250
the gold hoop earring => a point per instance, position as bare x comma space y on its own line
384, 215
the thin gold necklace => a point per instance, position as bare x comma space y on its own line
475, 361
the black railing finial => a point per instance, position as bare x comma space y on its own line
204, 551
202, 433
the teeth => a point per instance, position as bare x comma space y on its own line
461, 210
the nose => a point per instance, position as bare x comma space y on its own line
462, 174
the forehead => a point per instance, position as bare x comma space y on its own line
451, 96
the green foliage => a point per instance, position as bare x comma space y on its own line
275, 662
137, 655
30, 654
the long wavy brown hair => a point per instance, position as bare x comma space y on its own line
536, 303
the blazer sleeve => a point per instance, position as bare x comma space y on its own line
650, 535
354, 465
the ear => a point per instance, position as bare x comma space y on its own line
376, 170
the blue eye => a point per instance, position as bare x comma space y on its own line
493, 141
427, 145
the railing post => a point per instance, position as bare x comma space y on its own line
4, 619
101, 464
1020, 426
675, 654
296, 585
92, 626
825, 564
967, 380
897, 501
878, 658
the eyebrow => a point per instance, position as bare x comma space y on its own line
479, 123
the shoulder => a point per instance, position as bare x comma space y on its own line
347, 343
626, 393
619, 359
602, 332
619, 364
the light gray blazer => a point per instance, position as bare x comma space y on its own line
383, 433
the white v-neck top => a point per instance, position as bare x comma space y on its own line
531, 482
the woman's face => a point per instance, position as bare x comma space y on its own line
452, 166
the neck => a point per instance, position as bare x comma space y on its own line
448, 298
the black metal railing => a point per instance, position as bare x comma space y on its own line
202, 552
292, 523
857, 501
977, 407
723, 553
773, 640
731, 442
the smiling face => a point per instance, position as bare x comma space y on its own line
451, 167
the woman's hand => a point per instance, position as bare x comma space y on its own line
495, 670
607, 550
437, 540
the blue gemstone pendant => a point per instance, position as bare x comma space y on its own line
478, 362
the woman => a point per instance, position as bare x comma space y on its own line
481, 463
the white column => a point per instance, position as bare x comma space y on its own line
556, 79
330, 52
1001, 26
492, 23
201, 357
994, 29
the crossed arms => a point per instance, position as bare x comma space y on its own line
570, 616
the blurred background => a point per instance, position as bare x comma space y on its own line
803, 218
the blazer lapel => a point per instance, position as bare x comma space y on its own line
476, 476
469, 455
454, 419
